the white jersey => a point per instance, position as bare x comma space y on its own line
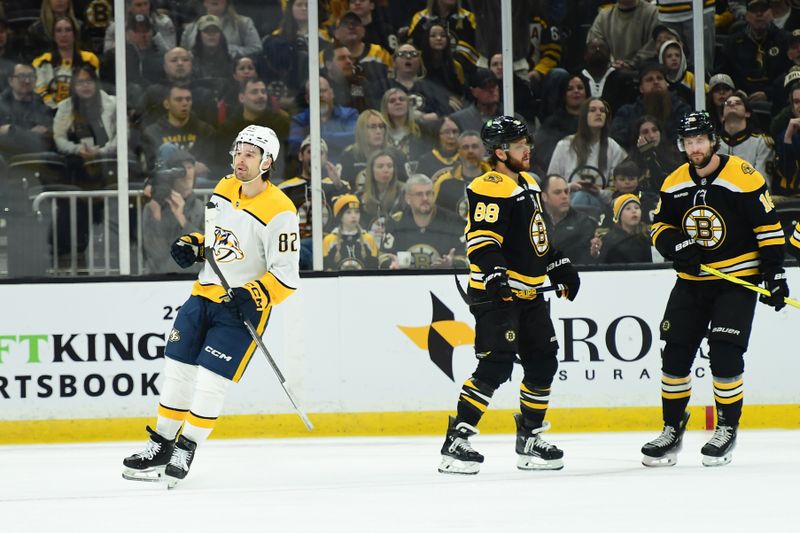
255, 239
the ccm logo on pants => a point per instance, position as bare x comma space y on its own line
218, 354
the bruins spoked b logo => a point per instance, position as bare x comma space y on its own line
705, 226
539, 234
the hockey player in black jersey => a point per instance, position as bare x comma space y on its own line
713, 210
510, 255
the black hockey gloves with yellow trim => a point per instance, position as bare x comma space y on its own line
188, 249
687, 257
497, 287
562, 272
775, 283
249, 299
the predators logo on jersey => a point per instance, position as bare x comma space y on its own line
705, 226
226, 246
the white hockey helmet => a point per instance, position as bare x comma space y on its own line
260, 136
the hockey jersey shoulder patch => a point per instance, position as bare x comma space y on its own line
679, 179
740, 176
494, 184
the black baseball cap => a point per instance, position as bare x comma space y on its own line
482, 78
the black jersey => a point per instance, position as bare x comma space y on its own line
794, 242
424, 245
729, 214
506, 228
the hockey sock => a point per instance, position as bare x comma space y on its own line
176, 397
533, 400
474, 400
209, 397
675, 394
729, 397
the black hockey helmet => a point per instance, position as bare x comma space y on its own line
498, 132
697, 123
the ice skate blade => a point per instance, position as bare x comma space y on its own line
526, 462
670, 459
717, 461
451, 465
151, 475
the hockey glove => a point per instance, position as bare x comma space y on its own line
188, 250
497, 288
687, 257
775, 283
562, 272
247, 300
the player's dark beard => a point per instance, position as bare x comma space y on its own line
658, 104
704, 162
516, 165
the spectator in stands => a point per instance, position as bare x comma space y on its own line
40, 36
240, 32
143, 60
602, 79
628, 240
298, 189
656, 157
370, 137
255, 107
526, 103
627, 179
485, 92
403, 133
784, 15
440, 67
779, 90
627, 28
348, 84
572, 231
372, 60
210, 51
9, 54
455, 21
174, 210
244, 69
382, 195
284, 62
182, 128
450, 187
589, 152
422, 236
178, 69
337, 123
720, 87
680, 80
163, 27
738, 138
377, 29
445, 151
430, 101
562, 122
85, 125
779, 122
26, 123
348, 246
748, 55
677, 16
787, 150
54, 67
655, 100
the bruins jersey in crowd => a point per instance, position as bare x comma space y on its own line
298, 189
342, 251
506, 228
729, 214
256, 239
422, 246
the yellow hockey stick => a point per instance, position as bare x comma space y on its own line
746, 284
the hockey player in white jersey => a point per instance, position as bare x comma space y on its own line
257, 249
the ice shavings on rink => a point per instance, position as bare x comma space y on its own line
391, 485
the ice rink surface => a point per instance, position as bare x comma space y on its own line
391, 485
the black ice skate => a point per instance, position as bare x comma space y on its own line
458, 457
663, 451
533, 452
149, 464
719, 450
180, 462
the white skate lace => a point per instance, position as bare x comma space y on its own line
535, 442
180, 458
460, 444
666, 438
153, 448
721, 436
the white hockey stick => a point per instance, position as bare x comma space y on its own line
211, 219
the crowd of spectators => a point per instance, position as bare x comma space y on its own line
405, 87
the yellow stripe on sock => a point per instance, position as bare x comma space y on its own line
205, 423
675, 395
728, 386
172, 414
728, 401
531, 405
478, 405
